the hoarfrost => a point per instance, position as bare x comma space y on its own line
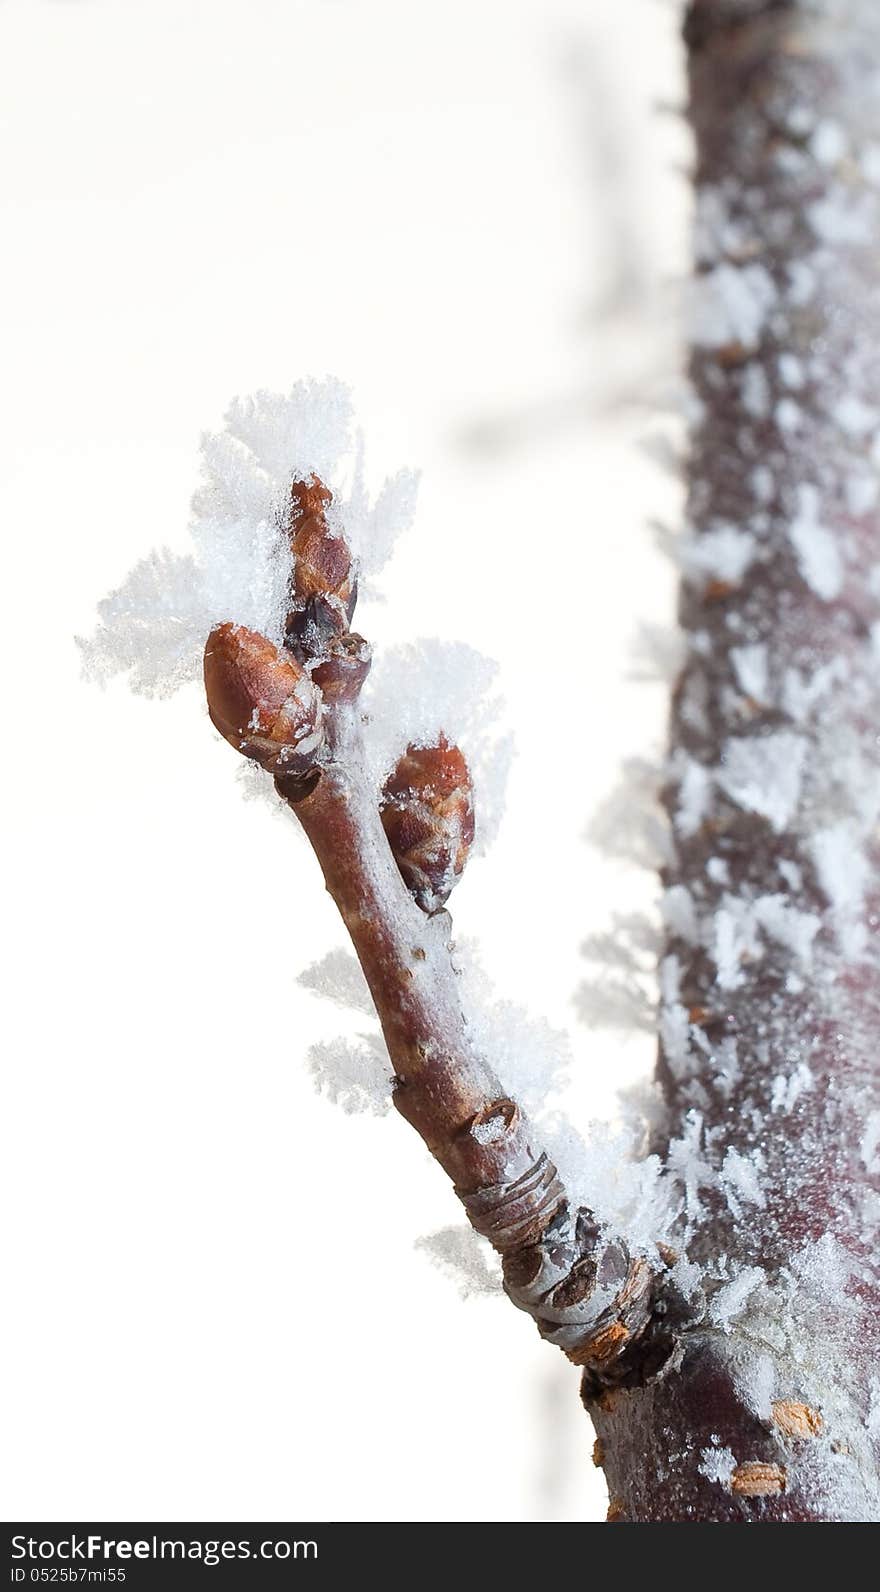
740, 1175
791, 873
787, 1090
791, 371
872, 1419
694, 798
787, 925
374, 530
153, 627
802, 694
843, 872
687, 1163
675, 1037
730, 304
724, 553
817, 552
679, 913
869, 1144
763, 484
735, 939
788, 415
537, 1057
339, 978
687, 1276
763, 774
630, 823
750, 668
828, 143
755, 392
466, 1259
354, 1074
756, 1377
658, 652
802, 282
627, 1193
730, 1300
861, 493
414, 692
717, 1464
854, 417
836, 220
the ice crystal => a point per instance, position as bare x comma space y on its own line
153, 626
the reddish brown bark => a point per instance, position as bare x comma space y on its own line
295, 711
785, 112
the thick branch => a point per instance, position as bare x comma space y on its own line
768, 1063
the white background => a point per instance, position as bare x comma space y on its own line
475, 213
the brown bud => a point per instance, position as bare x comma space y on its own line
796, 1420
344, 666
324, 589
755, 1479
428, 816
261, 700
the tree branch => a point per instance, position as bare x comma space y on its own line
295, 710
586, 1294
768, 1061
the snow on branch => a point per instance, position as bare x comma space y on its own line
391, 774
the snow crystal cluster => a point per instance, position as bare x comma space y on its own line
415, 690
467, 1260
351, 1070
153, 627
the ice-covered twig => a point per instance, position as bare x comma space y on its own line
389, 861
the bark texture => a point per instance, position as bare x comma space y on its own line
389, 860
768, 1066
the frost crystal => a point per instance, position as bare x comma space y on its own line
153, 627
466, 1259
817, 551
338, 977
763, 774
870, 1143
786, 1091
787, 925
694, 798
853, 417
354, 1074
740, 1175
730, 1301
750, 667
843, 871
721, 554
828, 143
717, 1464
415, 691
679, 913
730, 305
735, 939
